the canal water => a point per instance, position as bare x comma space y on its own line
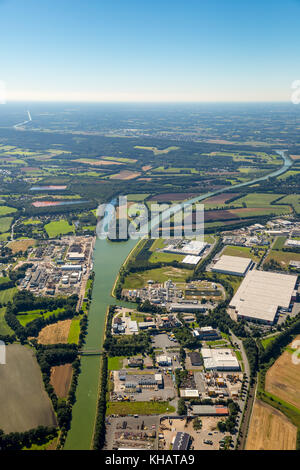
108, 258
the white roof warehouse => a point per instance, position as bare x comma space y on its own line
232, 265
261, 294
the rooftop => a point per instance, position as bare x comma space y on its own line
262, 293
234, 264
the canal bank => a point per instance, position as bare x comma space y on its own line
108, 258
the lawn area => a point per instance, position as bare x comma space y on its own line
4, 328
7, 295
279, 243
140, 408
115, 363
58, 227
158, 257
138, 280
32, 222
244, 252
235, 281
5, 223
27, 317
4, 210
74, 331
283, 258
266, 341
293, 199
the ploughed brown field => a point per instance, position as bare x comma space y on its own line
24, 403
220, 198
56, 333
270, 429
60, 380
283, 379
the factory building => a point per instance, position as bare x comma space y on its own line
177, 307
262, 294
164, 361
209, 410
222, 359
196, 359
71, 267
207, 333
234, 265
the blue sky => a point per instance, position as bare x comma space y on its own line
150, 50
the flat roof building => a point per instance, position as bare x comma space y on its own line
235, 265
191, 259
261, 294
182, 441
209, 410
221, 359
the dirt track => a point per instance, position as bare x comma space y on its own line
270, 429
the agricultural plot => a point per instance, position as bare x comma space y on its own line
5, 210
258, 199
157, 151
27, 317
21, 245
7, 295
55, 333
74, 331
283, 379
60, 379
4, 328
24, 403
59, 227
270, 429
293, 200
125, 175
5, 223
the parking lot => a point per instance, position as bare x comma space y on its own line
162, 341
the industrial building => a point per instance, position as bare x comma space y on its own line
182, 441
196, 359
262, 294
187, 393
206, 333
178, 307
209, 410
164, 361
222, 359
193, 247
76, 256
71, 267
235, 265
191, 259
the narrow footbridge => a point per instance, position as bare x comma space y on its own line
90, 352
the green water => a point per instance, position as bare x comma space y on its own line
108, 257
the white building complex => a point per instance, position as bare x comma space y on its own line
235, 265
262, 294
220, 359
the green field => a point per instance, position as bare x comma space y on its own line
140, 408
5, 223
158, 257
244, 252
115, 363
32, 222
155, 150
257, 199
4, 210
74, 331
283, 258
120, 159
266, 341
4, 328
7, 295
138, 280
293, 199
137, 197
59, 227
279, 243
25, 318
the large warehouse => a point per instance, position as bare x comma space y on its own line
261, 294
235, 265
